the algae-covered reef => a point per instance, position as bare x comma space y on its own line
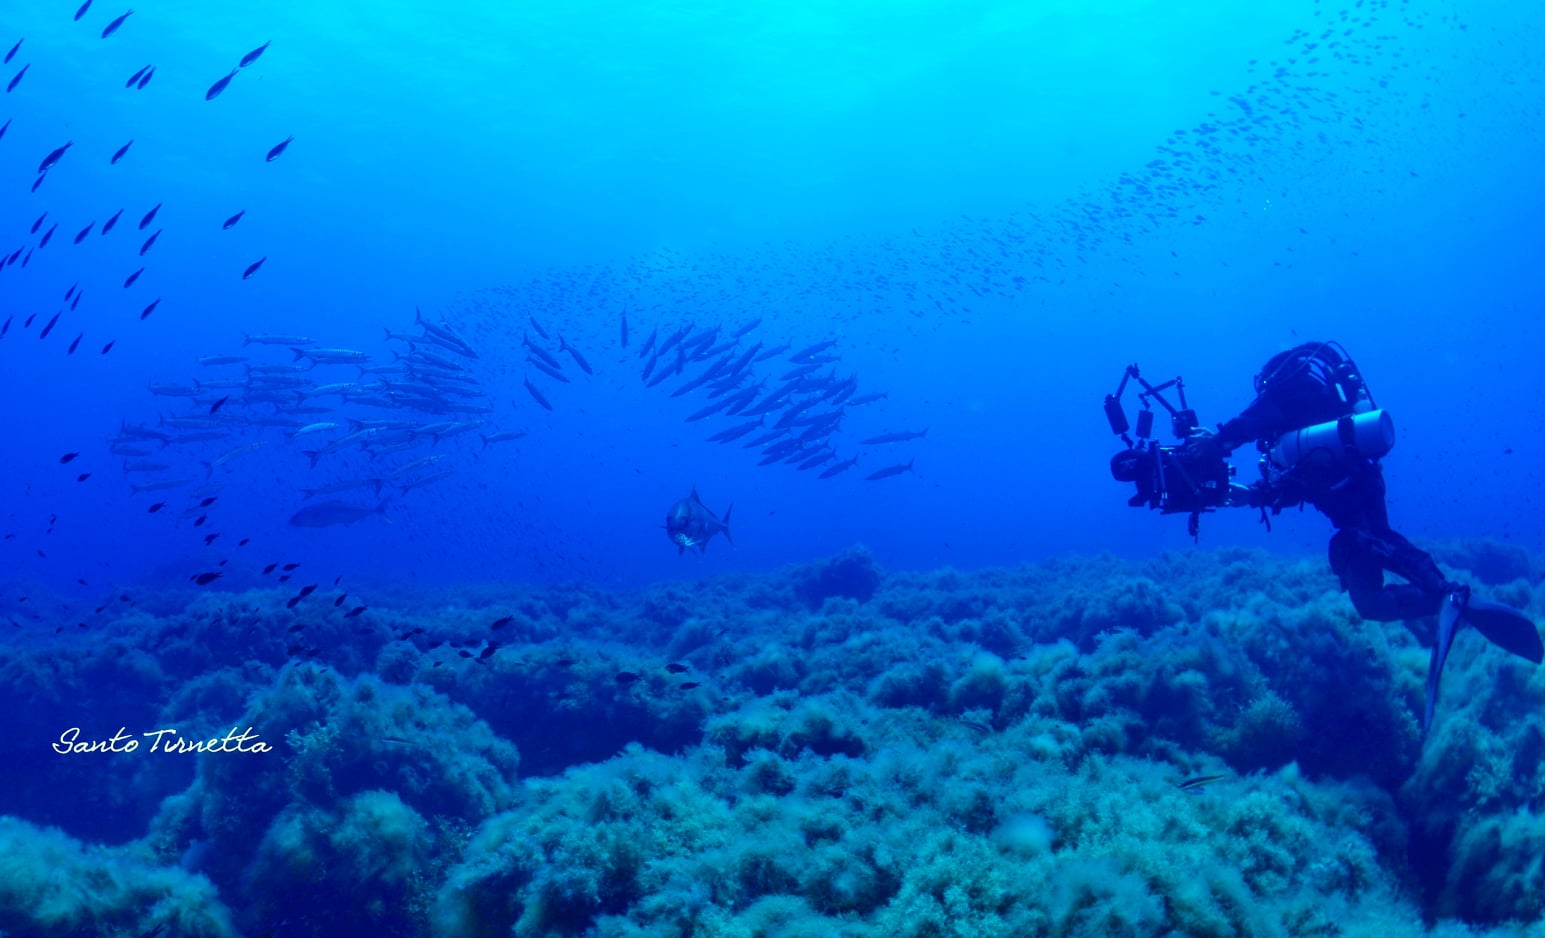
1203, 744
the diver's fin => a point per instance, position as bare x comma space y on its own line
1505, 627
1448, 622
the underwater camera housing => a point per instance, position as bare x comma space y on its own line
1171, 479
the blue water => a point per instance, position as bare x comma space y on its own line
877, 179
989, 209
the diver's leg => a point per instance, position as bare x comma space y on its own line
1413, 563
1503, 626
1359, 559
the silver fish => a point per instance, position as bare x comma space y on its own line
689, 523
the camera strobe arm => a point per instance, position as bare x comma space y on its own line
1182, 418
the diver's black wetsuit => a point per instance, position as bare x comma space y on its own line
1301, 390
1311, 384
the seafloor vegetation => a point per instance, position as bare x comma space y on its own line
863, 753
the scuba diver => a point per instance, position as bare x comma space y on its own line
1321, 437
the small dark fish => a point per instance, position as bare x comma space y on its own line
624, 328
688, 685
254, 55
291, 604
210, 539
76, 344
17, 80
108, 347
113, 26
219, 86
7, 327
76, 302
204, 579
231, 222
215, 407
39, 223
291, 566
252, 268
488, 652
4, 127
83, 477
68, 458
537, 395
81, 235
538, 327
209, 501
136, 77
626, 677
501, 623
27, 323
140, 85
244, 542
118, 155
50, 327
339, 601
48, 235
354, 612
277, 150
38, 182
82, 11
149, 243
54, 156
145, 314
199, 521
150, 216
307, 590
12, 54
270, 569
975, 725
676, 667
1198, 782
108, 225
129, 281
